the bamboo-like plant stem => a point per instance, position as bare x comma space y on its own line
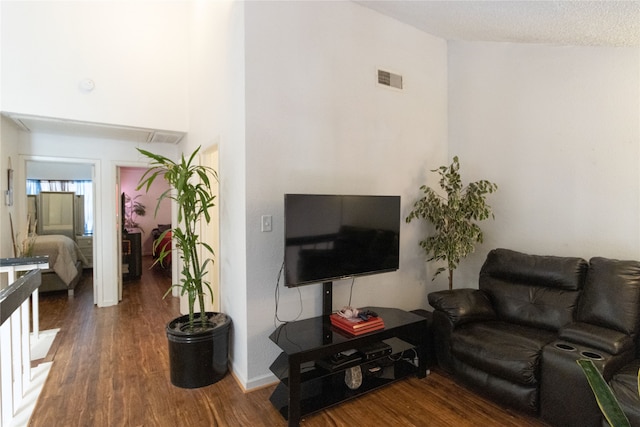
191, 186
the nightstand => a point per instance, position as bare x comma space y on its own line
85, 243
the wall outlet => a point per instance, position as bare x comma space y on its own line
266, 223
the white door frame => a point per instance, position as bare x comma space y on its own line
211, 231
21, 194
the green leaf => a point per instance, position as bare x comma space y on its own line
607, 401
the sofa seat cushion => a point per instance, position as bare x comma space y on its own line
605, 339
522, 397
505, 350
625, 386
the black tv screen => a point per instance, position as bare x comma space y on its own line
330, 237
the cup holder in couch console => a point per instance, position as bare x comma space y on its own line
591, 355
565, 347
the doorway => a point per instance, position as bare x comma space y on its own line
139, 218
69, 176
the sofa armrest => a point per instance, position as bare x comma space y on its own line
605, 339
463, 305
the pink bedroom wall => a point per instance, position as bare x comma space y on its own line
129, 178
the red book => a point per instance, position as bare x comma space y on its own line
360, 331
356, 324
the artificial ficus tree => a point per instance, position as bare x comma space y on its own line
454, 217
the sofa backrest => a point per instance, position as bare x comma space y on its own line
611, 295
533, 290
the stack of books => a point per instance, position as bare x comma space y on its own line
356, 326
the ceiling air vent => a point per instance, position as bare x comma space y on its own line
389, 79
166, 137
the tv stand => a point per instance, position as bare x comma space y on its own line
306, 387
327, 298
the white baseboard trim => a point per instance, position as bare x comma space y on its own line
255, 383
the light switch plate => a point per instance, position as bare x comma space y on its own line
266, 223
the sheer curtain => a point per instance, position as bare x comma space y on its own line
83, 188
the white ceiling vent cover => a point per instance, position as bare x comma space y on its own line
389, 79
166, 137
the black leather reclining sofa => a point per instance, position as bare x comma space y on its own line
517, 337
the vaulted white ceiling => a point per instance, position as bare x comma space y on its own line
573, 22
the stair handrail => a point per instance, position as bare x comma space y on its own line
12, 297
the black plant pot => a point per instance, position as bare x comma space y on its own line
198, 358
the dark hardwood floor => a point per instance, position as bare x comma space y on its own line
110, 368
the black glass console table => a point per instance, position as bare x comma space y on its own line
307, 386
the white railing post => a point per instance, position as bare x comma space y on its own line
26, 344
16, 350
6, 373
35, 301
15, 342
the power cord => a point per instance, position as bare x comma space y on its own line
276, 318
353, 280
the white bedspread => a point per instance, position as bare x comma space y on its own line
63, 254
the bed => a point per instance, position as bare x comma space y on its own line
65, 262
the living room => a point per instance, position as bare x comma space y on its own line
287, 91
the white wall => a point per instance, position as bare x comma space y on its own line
216, 118
134, 51
9, 137
557, 128
318, 123
58, 171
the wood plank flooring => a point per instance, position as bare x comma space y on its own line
110, 368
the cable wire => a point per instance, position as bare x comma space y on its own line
276, 318
353, 280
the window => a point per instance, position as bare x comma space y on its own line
82, 188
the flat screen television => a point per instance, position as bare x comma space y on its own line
331, 237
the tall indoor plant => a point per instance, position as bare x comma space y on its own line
198, 342
454, 217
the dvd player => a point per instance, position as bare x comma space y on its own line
375, 351
342, 360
